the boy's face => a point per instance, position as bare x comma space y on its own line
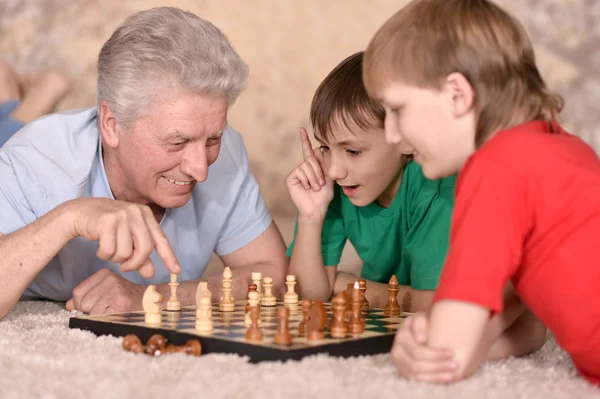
437, 127
363, 163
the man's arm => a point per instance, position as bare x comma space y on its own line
25, 252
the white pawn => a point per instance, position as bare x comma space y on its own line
252, 301
290, 296
227, 303
256, 279
268, 299
151, 305
204, 315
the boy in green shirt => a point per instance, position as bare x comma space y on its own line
357, 187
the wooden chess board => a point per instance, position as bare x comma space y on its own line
229, 334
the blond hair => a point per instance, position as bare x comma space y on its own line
427, 40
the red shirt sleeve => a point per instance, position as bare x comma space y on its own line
490, 222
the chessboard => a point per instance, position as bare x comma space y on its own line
229, 333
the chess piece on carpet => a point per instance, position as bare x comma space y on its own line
173, 304
290, 297
191, 347
317, 318
356, 325
392, 308
283, 336
257, 279
227, 302
132, 343
252, 302
268, 299
254, 333
204, 315
305, 308
151, 306
363, 289
155, 345
338, 328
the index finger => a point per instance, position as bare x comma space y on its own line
164, 249
307, 149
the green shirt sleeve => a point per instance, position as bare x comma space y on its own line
429, 216
333, 237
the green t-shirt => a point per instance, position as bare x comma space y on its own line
408, 239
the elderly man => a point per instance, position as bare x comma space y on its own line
87, 197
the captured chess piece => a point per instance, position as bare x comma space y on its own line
317, 318
132, 343
290, 297
363, 289
151, 305
257, 279
356, 325
305, 308
252, 302
204, 316
283, 336
227, 303
268, 299
191, 347
338, 327
392, 308
254, 333
155, 345
173, 304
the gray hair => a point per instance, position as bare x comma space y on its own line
154, 48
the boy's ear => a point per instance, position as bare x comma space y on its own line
461, 94
108, 126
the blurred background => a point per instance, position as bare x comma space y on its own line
290, 47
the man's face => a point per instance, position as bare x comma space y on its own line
426, 124
362, 163
162, 156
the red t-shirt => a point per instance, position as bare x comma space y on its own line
528, 210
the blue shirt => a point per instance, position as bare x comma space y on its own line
58, 158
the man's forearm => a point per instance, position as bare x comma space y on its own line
24, 253
306, 262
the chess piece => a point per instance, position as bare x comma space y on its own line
251, 288
317, 318
338, 328
290, 297
201, 291
256, 279
204, 316
356, 323
151, 305
173, 303
254, 333
252, 302
392, 308
155, 345
363, 289
305, 308
191, 347
132, 343
268, 299
348, 296
283, 336
227, 302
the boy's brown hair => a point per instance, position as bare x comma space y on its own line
427, 40
342, 98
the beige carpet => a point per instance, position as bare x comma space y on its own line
40, 357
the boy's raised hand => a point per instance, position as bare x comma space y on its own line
417, 361
308, 184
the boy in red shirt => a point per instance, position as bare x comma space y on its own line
461, 89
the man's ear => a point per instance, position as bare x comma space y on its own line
460, 94
108, 126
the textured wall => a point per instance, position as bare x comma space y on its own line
290, 46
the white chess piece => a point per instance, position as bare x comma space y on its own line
290, 296
201, 291
268, 299
204, 315
252, 301
173, 303
227, 303
257, 279
151, 305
